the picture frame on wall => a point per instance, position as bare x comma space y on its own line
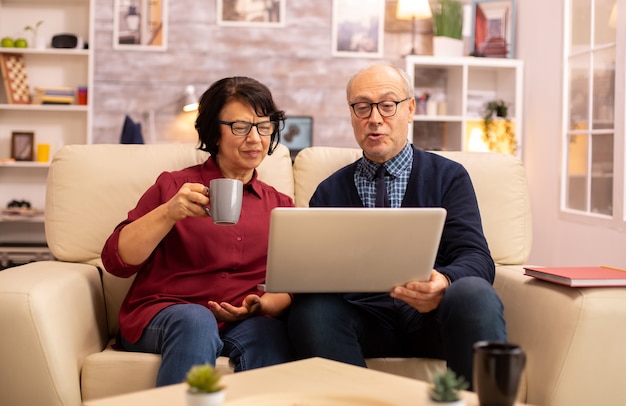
22, 146
297, 133
251, 13
358, 28
493, 28
140, 25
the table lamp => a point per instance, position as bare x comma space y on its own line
191, 100
413, 10
613, 16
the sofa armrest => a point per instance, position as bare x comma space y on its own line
574, 338
52, 315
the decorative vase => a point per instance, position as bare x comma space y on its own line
39, 41
205, 399
446, 46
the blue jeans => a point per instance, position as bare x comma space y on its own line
352, 327
187, 334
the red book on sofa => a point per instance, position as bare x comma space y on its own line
583, 276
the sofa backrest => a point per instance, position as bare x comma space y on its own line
499, 181
91, 188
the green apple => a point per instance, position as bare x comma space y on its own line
7, 42
21, 43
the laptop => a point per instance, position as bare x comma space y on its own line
315, 250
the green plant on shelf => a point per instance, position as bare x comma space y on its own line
34, 28
492, 134
448, 19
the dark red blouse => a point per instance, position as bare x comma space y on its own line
197, 261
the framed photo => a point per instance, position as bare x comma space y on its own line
493, 25
140, 25
251, 13
297, 134
22, 146
357, 28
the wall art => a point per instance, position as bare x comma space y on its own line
140, 25
493, 25
357, 28
297, 134
251, 13
22, 146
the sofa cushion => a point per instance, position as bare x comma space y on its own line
102, 375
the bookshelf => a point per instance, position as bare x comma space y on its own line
56, 125
457, 89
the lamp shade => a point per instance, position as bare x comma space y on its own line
191, 100
613, 16
413, 9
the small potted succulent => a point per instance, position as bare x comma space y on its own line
205, 388
445, 388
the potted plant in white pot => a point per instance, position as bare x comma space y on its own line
447, 28
205, 388
445, 389
39, 41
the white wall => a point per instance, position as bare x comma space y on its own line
558, 240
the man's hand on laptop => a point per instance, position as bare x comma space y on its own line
423, 296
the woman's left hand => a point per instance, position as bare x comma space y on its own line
226, 312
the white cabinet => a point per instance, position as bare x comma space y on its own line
56, 125
451, 93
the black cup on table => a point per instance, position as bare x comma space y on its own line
498, 368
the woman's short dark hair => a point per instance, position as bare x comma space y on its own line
240, 88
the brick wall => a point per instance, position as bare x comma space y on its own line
294, 61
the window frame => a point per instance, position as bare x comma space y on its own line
617, 219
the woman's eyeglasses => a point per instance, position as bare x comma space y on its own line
243, 128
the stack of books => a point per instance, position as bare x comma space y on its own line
54, 95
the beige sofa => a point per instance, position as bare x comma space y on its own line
57, 318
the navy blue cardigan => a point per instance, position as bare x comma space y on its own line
435, 181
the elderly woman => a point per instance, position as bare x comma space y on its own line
195, 294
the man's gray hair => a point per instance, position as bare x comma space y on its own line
408, 83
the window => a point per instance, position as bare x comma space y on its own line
590, 67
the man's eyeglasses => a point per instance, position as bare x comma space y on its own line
243, 128
386, 108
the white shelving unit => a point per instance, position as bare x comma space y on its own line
458, 89
56, 125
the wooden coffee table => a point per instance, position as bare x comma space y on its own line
313, 382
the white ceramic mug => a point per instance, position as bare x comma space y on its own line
225, 204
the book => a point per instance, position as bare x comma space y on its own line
69, 91
52, 100
583, 276
53, 95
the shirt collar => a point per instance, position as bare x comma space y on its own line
395, 166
